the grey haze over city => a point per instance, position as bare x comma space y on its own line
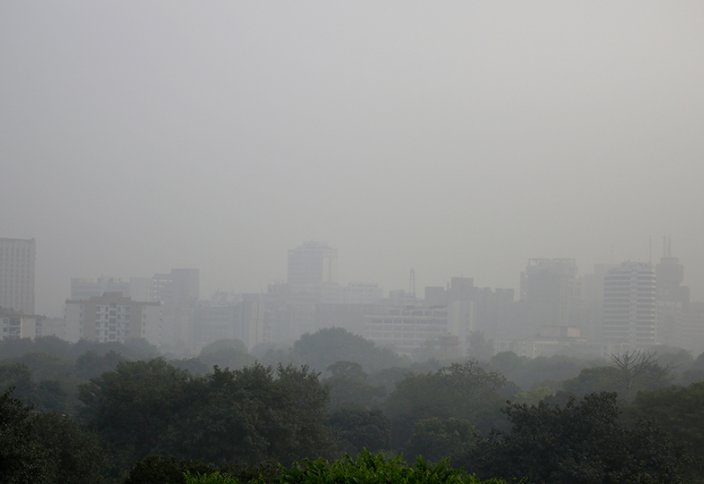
454, 138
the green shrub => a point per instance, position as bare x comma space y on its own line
366, 468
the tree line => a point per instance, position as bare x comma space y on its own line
120, 414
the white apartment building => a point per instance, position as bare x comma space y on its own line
629, 311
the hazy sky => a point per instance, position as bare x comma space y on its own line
459, 138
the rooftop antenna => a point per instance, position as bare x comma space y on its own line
412, 283
650, 251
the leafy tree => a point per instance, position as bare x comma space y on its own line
166, 470
368, 467
250, 416
435, 439
72, 454
678, 411
91, 364
695, 373
131, 407
22, 458
541, 371
365, 468
583, 442
355, 429
325, 347
230, 353
18, 378
629, 373
595, 380
535, 395
349, 388
638, 370
462, 390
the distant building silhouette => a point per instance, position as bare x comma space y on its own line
310, 264
672, 300
17, 257
550, 293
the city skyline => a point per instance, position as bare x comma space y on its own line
455, 139
654, 251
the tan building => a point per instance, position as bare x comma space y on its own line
15, 325
112, 317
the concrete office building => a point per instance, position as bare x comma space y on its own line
629, 307
17, 257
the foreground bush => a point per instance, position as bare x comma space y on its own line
367, 467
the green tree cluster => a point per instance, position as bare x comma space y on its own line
584, 441
243, 416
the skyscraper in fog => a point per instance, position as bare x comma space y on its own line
629, 317
672, 300
549, 292
178, 292
17, 274
311, 263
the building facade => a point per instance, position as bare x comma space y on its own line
113, 317
311, 264
17, 258
549, 293
629, 308
15, 325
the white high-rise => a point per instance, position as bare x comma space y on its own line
17, 274
629, 314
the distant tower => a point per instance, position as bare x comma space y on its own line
672, 299
311, 263
17, 274
629, 314
550, 291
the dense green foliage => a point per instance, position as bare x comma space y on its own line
45, 448
113, 413
584, 441
327, 346
242, 416
366, 467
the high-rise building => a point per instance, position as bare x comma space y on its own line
17, 274
629, 317
550, 293
311, 263
178, 292
672, 300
